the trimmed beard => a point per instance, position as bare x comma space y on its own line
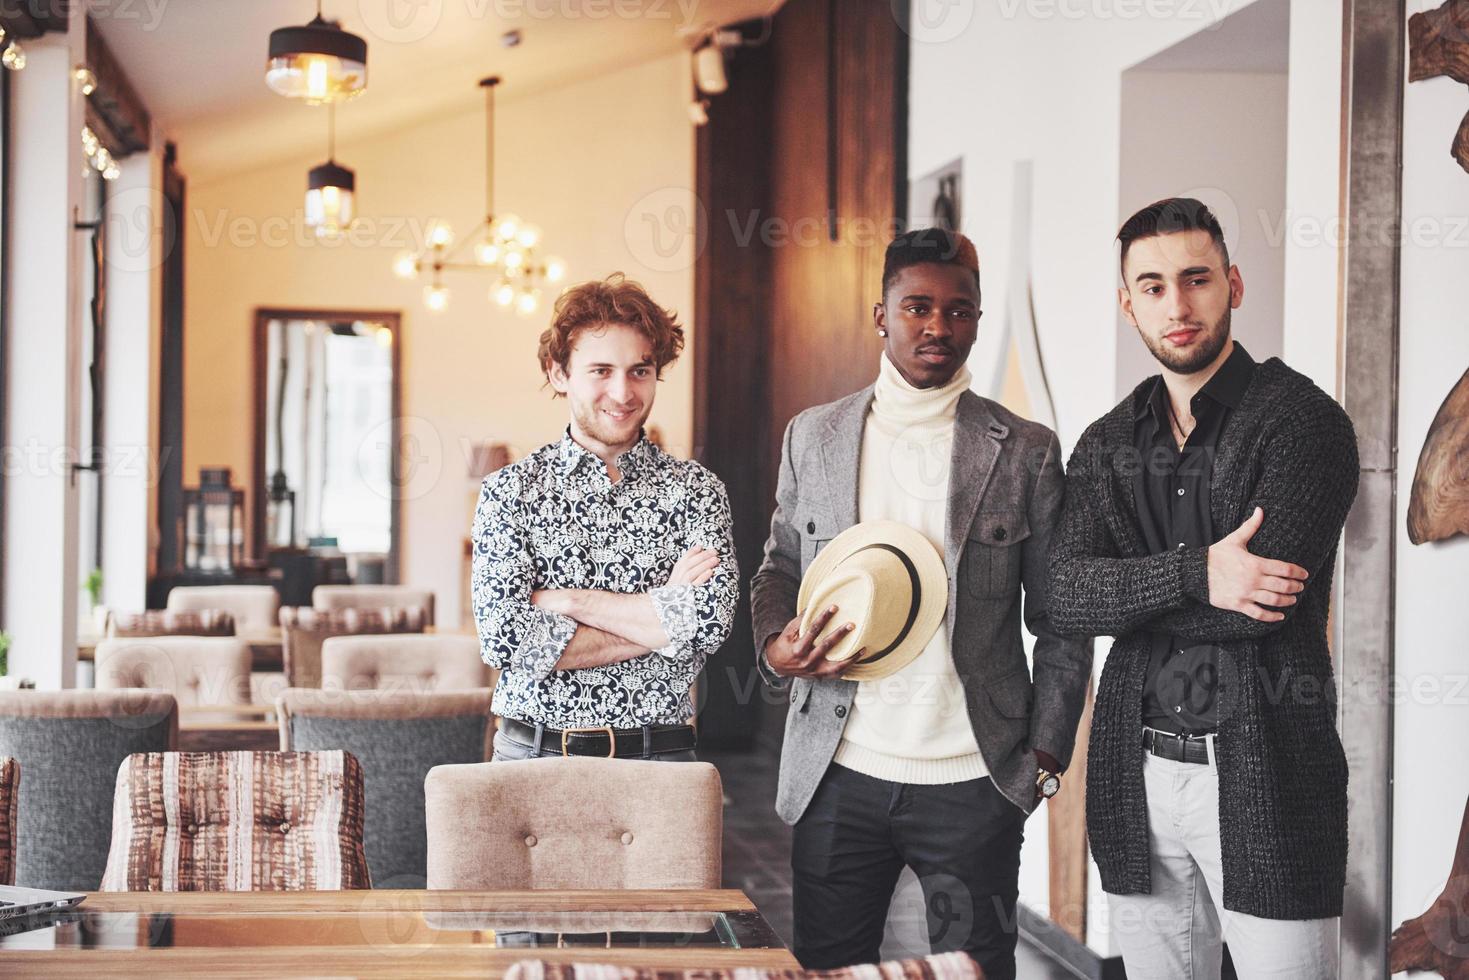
1190, 362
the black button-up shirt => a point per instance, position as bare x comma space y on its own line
1172, 493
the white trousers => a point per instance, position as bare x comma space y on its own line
1175, 933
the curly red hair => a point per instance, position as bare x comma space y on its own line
615, 299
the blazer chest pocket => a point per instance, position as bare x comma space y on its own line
992, 553
816, 533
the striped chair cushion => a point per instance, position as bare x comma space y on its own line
944, 966
171, 622
9, 795
303, 631
237, 821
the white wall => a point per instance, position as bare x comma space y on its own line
1001, 82
598, 165
1231, 157
41, 362
1432, 629
130, 464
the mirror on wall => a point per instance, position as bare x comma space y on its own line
327, 397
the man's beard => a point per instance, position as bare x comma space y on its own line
597, 426
1198, 357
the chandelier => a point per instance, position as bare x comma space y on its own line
502, 245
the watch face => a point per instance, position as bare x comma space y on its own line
1050, 786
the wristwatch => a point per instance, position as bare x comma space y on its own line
1047, 784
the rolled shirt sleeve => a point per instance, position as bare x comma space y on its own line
514, 634
697, 618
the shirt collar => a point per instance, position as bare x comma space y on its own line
1226, 386
630, 463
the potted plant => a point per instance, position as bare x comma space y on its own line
6, 681
93, 586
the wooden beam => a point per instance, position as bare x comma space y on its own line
114, 100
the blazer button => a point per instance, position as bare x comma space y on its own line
999, 534
841, 711
810, 527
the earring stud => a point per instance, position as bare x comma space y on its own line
882, 333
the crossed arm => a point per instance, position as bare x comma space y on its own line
1245, 586
542, 631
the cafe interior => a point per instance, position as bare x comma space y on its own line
272, 278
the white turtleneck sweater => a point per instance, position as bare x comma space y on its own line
911, 726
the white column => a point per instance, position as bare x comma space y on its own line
135, 253
45, 319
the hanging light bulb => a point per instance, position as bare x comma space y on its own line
85, 80
508, 227
529, 237
405, 266
440, 235
331, 190
504, 294
487, 253
112, 172
528, 302
330, 199
384, 337
514, 259
14, 56
317, 62
555, 269
436, 297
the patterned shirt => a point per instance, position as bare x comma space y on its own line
555, 521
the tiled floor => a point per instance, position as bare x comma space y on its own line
757, 850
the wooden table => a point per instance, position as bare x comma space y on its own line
226, 728
382, 933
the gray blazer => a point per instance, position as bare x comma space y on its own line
1005, 493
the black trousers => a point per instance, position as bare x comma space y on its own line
962, 840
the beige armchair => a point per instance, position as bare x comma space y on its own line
304, 630
196, 670
574, 823
253, 606
329, 597
405, 661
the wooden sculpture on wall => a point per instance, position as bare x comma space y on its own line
1439, 505
1438, 44
1438, 940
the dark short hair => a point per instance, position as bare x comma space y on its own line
596, 304
923, 245
1170, 216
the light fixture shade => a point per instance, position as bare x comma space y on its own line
317, 62
330, 199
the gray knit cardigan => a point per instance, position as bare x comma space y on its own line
1290, 449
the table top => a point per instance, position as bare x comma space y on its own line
265, 647
389, 932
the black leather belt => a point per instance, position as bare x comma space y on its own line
609, 743
1179, 748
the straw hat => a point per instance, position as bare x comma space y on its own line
886, 579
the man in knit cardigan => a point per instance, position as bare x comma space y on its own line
1200, 529
937, 766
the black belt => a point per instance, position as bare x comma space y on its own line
610, 743
1179, 748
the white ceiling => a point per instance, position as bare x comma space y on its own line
199, 65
